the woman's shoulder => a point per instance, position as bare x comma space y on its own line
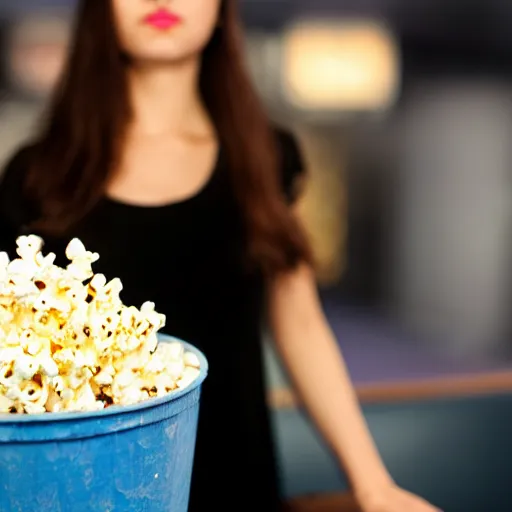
292, 167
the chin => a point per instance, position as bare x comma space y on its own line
166, 52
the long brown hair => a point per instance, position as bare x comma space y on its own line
83, 136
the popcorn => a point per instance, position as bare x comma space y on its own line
68, 343
26, 367
191, 360
81, 260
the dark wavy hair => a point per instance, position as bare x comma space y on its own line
83, 135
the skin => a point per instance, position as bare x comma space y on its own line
170, 124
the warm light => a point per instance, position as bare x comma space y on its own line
345, 65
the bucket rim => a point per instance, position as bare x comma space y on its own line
118, 410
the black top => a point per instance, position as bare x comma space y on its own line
187, 257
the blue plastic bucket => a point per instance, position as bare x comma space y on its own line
121, 459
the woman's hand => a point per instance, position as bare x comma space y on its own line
394, 499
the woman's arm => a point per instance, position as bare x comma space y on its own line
315, 364
311, 355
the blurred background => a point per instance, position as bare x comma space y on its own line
404, 113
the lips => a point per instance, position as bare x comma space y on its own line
162, 19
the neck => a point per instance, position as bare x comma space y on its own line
166, 99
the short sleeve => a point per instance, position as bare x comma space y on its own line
292, 165
14, 210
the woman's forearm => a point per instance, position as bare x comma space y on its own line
318, 371
321, 379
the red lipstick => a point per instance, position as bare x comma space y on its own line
162, 19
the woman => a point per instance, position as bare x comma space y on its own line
158, 155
